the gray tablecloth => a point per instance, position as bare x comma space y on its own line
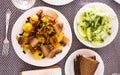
12, 64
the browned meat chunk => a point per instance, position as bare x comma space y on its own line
22, 40
54, 52
33, 41
58, 27
46, 49
65, 41
53, 15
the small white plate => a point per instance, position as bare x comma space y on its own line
17, 29
113, 19
69, 65
118, 1
58, 2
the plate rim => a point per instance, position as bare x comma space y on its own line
58, 4
80, 50
66, 22
117, 1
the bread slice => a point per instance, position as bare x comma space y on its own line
85, 65
43, 69
88, 66
76, 65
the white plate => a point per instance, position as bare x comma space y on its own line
52, 71
114, 24
69, 65
17, 29
58, 2
118, 1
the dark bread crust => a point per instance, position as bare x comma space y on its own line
76, 65
92, 57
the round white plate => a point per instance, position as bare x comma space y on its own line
69, 65
114, 23
17, 29
118, 1
58, 2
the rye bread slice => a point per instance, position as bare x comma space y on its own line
88, 65
76, 65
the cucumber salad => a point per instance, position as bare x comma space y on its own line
93, 25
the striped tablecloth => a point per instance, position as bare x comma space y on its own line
12, 64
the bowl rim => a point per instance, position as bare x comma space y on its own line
88, 43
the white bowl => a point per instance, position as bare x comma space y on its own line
114, 24
28, 58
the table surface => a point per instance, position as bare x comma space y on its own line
12, 64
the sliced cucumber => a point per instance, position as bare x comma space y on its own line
81, 32
93, 25
89, 34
